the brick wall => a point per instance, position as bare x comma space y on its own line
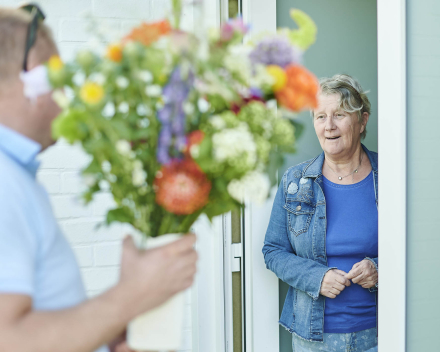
98, 250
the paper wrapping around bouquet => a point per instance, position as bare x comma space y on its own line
160, 329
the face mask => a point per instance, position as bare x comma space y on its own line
35, 82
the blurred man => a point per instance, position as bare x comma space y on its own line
43, 306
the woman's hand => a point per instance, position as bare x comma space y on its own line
363, 273
334, 283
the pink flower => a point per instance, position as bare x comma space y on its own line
231, 27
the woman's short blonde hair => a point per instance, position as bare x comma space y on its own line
353, 97
13, 28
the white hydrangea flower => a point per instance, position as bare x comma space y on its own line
123, 107
153, 90
104, 185
237, 61
106, 166
109, 110
139, 175
79, 78
137, 164
143, 110
254, 185
145, 76
203, 105
98, 78
144, 123
122, 82
89, 180
123, 147
188, 108
230, 144
217, 122
60, 98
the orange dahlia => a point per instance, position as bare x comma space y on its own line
181, 187
300, 91
148, 33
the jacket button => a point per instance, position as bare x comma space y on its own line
298, 208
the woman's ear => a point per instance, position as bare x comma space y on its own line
365, 117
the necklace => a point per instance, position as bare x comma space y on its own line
352, 173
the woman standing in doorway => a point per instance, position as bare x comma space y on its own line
322, 236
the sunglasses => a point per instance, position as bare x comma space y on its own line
31, 36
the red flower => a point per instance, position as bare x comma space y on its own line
181, 187
194, 138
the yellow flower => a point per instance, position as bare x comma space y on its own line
114, 52
55, 64
91, 93
279, 76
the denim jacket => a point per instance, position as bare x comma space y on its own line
294, 247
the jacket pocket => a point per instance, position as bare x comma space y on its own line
299, 216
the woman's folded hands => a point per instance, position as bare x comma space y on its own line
334, 283
363, 273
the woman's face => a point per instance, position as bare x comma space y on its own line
338, 131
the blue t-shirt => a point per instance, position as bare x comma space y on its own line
35, 258
352, 235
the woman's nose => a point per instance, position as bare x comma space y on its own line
329, 124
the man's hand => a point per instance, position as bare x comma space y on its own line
334, 283
363, 273
151, 277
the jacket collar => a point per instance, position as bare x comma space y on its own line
20, 148
314, 169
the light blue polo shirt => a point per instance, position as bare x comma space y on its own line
35, 258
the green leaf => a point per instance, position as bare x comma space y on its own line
122, 214
299, 128
71, 125
216, 207
305, 35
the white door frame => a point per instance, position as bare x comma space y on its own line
261, 285
262, 294
392, 86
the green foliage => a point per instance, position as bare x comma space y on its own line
72, 125
305, 35
122, 214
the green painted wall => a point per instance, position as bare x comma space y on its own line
423, 241
347, 32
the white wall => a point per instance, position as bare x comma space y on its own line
98, 250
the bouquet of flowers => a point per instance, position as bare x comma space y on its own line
178, 125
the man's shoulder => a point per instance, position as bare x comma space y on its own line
14, 180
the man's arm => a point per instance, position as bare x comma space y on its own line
147, 280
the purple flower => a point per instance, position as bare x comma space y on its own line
172, 116
276, 51
163, 155
256, 92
